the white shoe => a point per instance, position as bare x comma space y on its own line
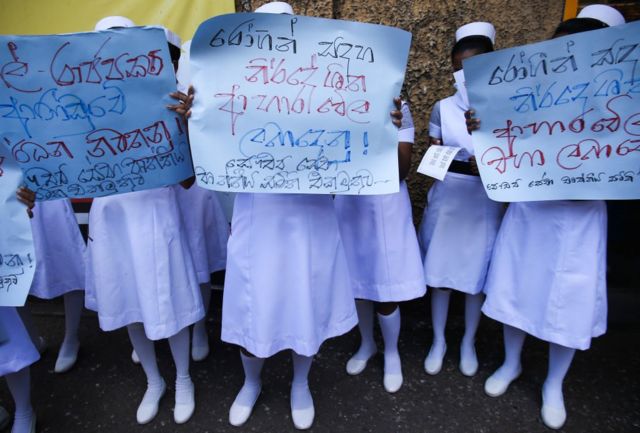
469, 366
148, 408
185, 404
392, 382
134, 357
240, 413
303, 418
66, 363
200, 353
553, 417
433, 363
356, 366
495, 387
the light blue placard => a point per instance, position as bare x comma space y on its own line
296, 104
17, 256
560, 119
85, 114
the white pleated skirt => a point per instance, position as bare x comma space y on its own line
548, 272
381, 246
18, 351
59, 249
139, 264
207, 229
457, 233
287, 283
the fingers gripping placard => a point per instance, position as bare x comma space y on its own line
296, 104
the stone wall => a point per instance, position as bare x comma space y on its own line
433, 24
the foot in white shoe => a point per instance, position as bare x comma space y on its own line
553, 417
200, 345
67, 356
358, 361
433, 361
553, 411
302, 409
185, 400
498, 383
148, 408
134, 357
392, 372
468, 359
243, 404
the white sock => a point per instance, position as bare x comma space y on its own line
560, 359
200, 337
365, 325
252, 383
513, 342
73, 304
145, 349
300, 394
439, 313
472, 314
390, 327
179, 345
20, 387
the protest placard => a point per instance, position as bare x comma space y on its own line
17, 256
85, 114
560, 119
296, 104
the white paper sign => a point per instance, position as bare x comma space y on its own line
437, 160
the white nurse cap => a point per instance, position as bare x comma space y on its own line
113, 21
276, 8
606, 14
477, 29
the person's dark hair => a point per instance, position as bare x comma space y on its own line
479, 43
174, 52
578, 25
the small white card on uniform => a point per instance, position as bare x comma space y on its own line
437, 160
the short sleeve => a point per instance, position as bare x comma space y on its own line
435, 124
406, 132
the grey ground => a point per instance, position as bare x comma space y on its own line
101, 393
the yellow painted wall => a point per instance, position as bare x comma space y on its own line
66, 16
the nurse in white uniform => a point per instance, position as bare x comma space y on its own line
207, 231
59, 271
384, 261
287, 285
286, 288
460, 222
140, 274
548, 274
17, 353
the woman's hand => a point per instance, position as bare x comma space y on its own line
473, 123
396, 115
185, 102
435, 141
28, 198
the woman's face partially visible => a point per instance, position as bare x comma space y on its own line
461, 55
